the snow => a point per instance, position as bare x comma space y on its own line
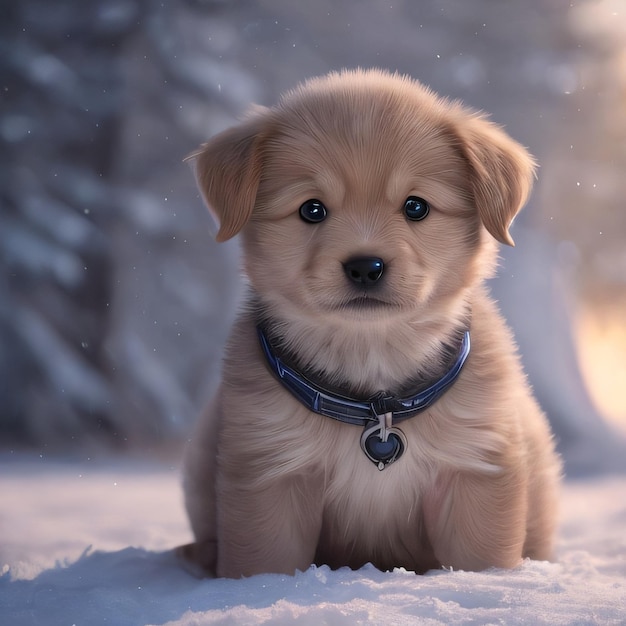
89, 543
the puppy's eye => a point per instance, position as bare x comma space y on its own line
313, 211
415, 208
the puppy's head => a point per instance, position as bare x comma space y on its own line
363, 192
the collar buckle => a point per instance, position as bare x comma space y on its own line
381, 404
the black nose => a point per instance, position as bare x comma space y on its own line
364, 271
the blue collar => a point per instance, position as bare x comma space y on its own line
357, 412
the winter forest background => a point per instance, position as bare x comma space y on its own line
114, 298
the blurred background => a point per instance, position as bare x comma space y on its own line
114, 299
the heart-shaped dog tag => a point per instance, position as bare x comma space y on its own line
380, 452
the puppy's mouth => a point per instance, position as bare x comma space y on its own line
366, 302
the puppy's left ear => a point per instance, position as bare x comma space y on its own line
501, 174
228, 171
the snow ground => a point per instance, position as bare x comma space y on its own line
89, 544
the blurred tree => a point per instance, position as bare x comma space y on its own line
91, 127
59, 129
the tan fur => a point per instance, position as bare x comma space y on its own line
272, 487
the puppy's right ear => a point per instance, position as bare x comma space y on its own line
228, 170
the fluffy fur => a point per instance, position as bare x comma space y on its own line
272, 487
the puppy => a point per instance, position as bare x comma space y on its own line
372, 406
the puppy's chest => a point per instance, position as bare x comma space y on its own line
360, 497
375, 517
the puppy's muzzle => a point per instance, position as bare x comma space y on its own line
364, 271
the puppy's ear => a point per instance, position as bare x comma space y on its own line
228, 170
501, 174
